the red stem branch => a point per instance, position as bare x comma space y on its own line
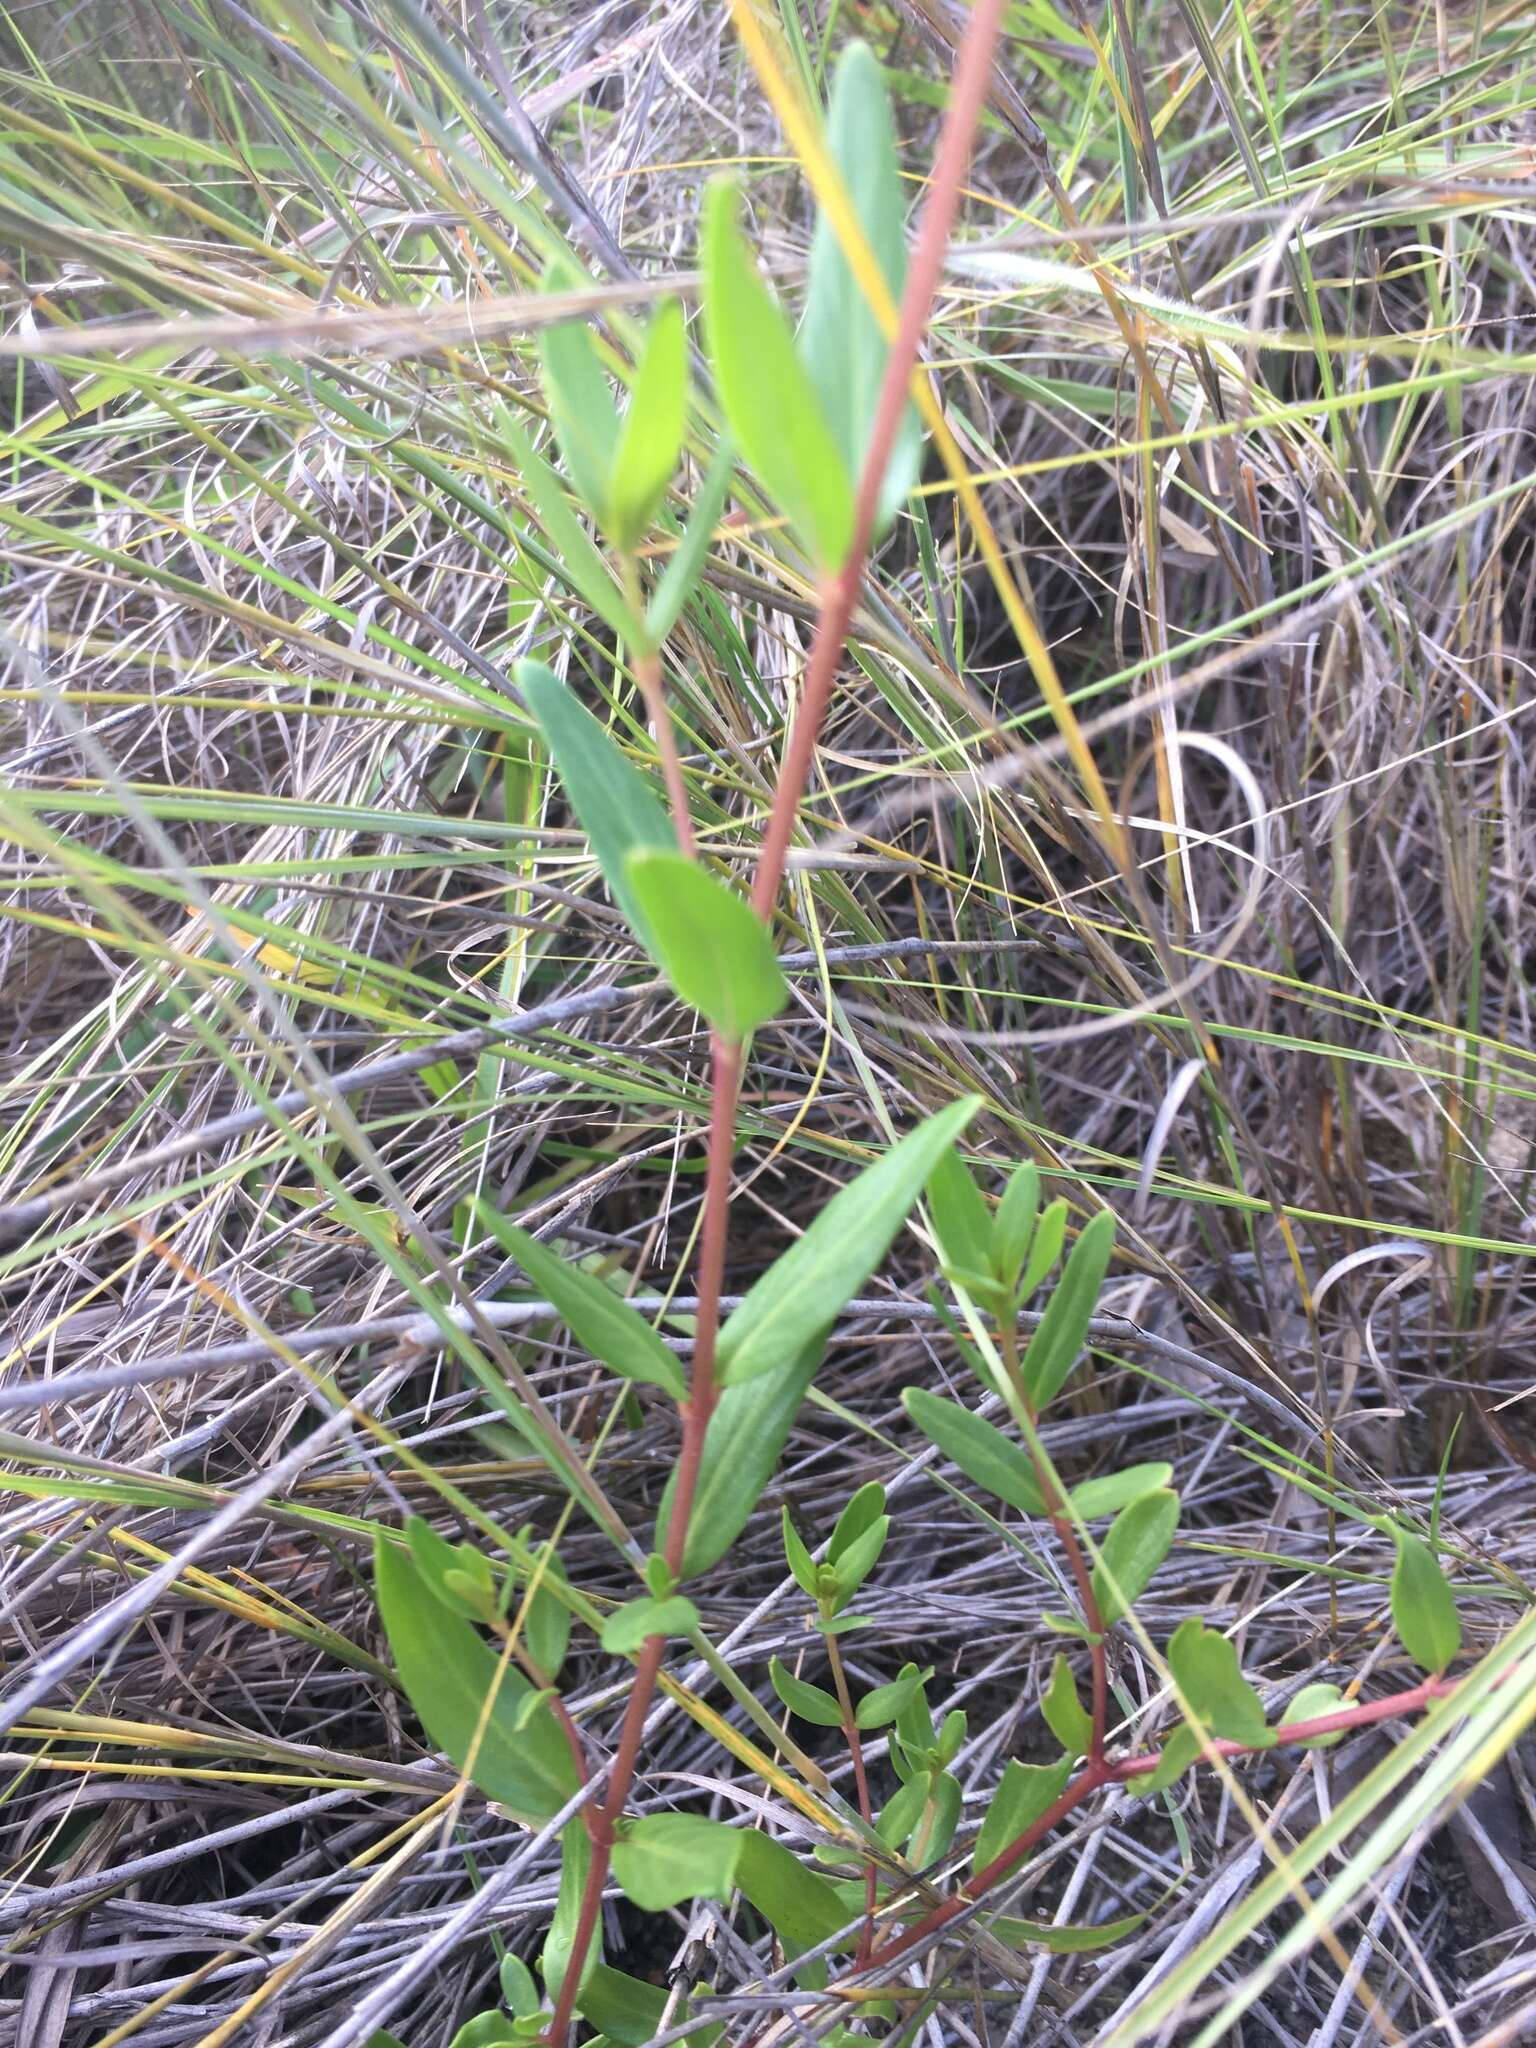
653, 689
1341, 1720
967, 96
1095, 1775
1098, 1663
703, 1392
861, 1786
1066, 1536
695, 1412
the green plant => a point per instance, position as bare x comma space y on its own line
507, 1731
822, 451
370, 583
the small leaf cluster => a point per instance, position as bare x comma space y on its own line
659, 1862
662, 1612
621, 468
522, 2021
802, 407
475, 1704
770, 1345
921, 1816
1000, 1258
853, 1551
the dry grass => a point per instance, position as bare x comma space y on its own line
271, 811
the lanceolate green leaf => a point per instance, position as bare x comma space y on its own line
651, 439
686, 564
1065, 1715
885, 1702
665, 1858
575, 1861
864, 1510
626, 2009
799, 1905
770, 404
1116, 1490
842, 341
716, 953
631, 2012
1423, 1609
547, 1621
1179, 1752
1025, 1792
486, 2030
1063, 1329
801, 1564
443, 1567
942, 1816
610, 1329
579, 561
1015, 1224
1050, 1230
746, 1433
982, 1452
904, 1809
854, 1560
519, 1992
611, 799
804, 1290
449, 1673
1211, 1684
811, 1702
1138, 1540
580, 401
962, 1221
629, 1626
1068, 1941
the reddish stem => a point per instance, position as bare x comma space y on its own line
572, 1734
966, 99
1066, 1536
647, 669
703, 1393
601, 1832
1098, 1663
1095, 1775
695, 1412
1341, 1719
861, 1785
967, 95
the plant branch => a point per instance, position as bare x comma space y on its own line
695, 1413
1095, 1775
646, 663
1067, 1536
702, 1389
966, 99
967, 96
1343, 1720
647, 669
567, 1726
861, 1784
